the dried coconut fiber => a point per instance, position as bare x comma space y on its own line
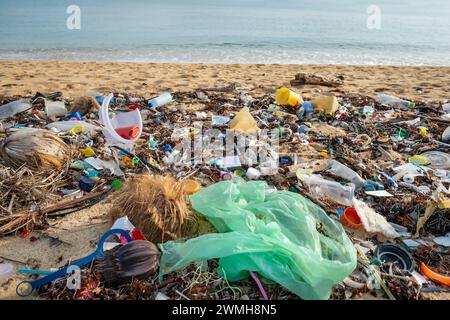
37, 148
156, 205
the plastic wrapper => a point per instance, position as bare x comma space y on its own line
281, 235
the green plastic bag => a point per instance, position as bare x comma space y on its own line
274, 233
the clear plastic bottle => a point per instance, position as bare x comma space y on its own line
320, 187
391, 101
338, 169
159, 101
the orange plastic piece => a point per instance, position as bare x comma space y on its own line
350, 218
436, 277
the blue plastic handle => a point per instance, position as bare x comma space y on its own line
97, 254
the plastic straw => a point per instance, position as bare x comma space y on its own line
260, 286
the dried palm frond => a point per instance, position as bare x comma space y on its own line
156, 205
29, 219
37, 148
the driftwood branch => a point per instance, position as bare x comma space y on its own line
317, 79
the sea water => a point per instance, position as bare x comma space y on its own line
397, 32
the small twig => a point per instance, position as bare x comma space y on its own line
12, 260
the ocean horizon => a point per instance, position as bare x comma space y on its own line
410, 32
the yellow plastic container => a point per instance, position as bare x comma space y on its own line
286, 97
244, 122
326, 104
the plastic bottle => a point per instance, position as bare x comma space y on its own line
391, 101
320, 187
14, 107
159, 101
286, 97
338, 169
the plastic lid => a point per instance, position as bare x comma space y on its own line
392, 253
191, 186
437, 159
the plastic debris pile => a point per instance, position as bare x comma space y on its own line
356, 202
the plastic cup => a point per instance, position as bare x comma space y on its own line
286, 97
351, 219
55, 109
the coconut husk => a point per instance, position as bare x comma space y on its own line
156, 205
36, 148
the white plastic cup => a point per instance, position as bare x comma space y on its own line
55, 108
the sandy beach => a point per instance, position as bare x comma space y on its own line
79, 230
74, 78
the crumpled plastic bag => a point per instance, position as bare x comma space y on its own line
373, 222
279, 234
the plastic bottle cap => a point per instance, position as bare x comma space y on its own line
191, 186
88, 152
116, 185
86, 183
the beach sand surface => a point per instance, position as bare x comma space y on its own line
148, 79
